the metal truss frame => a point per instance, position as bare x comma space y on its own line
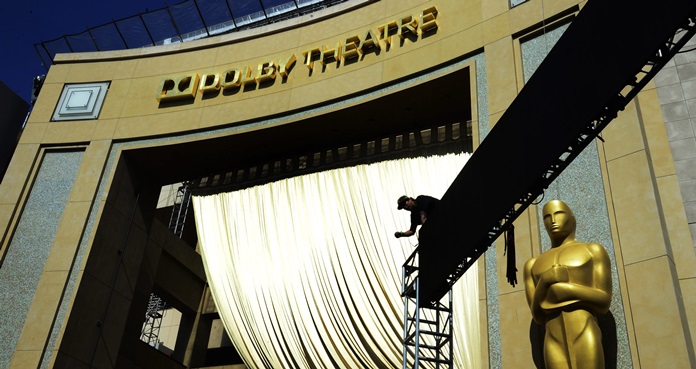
180, 209
153, 320
592, 130
156, 307
427, 329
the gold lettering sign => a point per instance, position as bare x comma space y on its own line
209, 83
231, 78
285, 65
350, 48
183, 87
186, 87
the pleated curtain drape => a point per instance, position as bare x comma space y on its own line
306, 271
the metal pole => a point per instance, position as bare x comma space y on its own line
231, 14
68, 43
176, 29
263, 9
200, 15
152, 40
406, 299
93, 40
118, 30
417, 350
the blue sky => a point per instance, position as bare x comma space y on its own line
26, 22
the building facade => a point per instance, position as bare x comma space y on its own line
82, 247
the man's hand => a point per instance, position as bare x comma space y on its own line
398, 234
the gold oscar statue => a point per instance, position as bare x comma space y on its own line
567, 287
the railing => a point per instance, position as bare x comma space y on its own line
186, 21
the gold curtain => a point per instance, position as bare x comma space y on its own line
306, 272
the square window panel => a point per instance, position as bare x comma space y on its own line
80, 101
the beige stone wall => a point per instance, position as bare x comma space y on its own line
654, 252
652, 235
131, 109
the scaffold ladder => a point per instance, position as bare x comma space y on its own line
153, 321
180, 209
427, 329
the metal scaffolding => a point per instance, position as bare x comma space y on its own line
427, 329
157, 307
180, 209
